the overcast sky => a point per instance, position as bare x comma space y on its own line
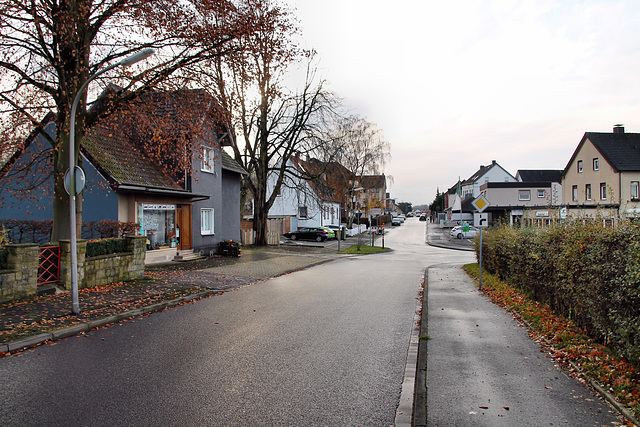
455, 85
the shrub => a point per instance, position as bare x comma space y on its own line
582, 270
106, 247
4, 252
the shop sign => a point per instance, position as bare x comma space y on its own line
544, 214
158, 207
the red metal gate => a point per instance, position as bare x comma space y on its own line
49, 268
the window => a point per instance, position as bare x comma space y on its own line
207, 160
579, 166
540, 193
603, 191
206, 221
587, 191
635, 189
574, 193
302, 211
596, 164
524, 194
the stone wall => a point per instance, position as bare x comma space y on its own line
19, 280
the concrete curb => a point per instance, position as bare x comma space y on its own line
406, 407
93, 324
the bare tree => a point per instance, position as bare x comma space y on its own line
268, 122
50, 48
361, 149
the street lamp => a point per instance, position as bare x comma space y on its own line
71, 174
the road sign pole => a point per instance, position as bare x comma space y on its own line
480, 263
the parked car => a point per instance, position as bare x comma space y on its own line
459, 232
423, 217
308, 233
331, 232
336, 229
396, 221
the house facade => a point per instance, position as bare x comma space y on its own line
304, 202
175, 209
602, 178
372, 196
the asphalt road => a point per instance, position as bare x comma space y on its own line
322, 346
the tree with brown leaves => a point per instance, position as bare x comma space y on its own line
50, 48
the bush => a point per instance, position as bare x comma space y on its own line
4, 252
106, 247
584, 271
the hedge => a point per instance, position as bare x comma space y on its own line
584, 271
105, 247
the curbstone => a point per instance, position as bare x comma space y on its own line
70, 331
29, 342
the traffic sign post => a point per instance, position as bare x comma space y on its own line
480, 203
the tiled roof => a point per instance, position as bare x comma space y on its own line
537, 175
122, 160
373, 181
228, 163
621, 150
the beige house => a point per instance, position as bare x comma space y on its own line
372, 196
602, 179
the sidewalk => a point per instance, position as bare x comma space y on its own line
27, 323
439, 237
484, 370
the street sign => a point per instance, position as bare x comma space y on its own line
480, 203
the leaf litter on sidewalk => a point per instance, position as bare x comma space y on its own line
571, 347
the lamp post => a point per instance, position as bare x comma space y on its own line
71, 174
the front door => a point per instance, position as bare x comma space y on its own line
183, 222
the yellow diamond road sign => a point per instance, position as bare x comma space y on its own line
480, 203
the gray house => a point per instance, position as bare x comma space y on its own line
132, 161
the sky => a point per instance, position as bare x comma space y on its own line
455, 85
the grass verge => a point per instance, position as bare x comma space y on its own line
584, 358
363, 250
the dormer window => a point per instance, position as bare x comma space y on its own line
579, 166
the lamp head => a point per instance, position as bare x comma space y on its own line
136, 57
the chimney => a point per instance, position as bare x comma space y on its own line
618, 128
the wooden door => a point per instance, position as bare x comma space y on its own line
183, 221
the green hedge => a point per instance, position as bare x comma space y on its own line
106, 247
584, 271
4, 252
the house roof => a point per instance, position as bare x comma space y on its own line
228, 163
107, 149
373, 181
549, 175
621, 150
481, 172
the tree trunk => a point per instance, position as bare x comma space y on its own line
61, 199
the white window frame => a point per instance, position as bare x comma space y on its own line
207, 215
603, 191
596, 164
524, 195
587, 191
208, 160
635, 190
541, 193
579, 166
574, 193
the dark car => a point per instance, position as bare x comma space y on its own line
423, 217
308, 233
